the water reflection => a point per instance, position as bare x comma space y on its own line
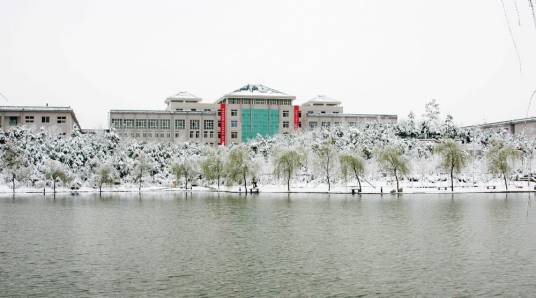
194, 244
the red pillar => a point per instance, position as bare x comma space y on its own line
223, 116
296, 117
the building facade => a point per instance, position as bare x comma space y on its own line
235, 118
523, 126
57, 120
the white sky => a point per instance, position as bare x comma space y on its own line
375, 56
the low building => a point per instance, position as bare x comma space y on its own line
58, 120
323, 111
522, 126
236, 117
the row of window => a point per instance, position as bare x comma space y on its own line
161, 124
164, 124
234, 113
314, 124
44, 119
260, 101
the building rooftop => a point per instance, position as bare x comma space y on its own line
257, 91
184, 96
322, 99
512, 121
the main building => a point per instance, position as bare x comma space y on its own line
236, 117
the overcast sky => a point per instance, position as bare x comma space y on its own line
375, 56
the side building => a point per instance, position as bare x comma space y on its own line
57, 120
522, 126
235, 118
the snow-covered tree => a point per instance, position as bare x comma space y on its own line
352, 164
104, 174
14, 165
500, 156
213, 166
327, 156
142, 166
286, 164
454, 159
57, 172
185, 168
240, 165
392, 161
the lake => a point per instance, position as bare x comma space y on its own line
205, 244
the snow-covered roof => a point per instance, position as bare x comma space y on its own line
183, 95
34, 109
40, 109
323, 99
257, 91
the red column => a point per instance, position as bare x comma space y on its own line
222, 126
296, 117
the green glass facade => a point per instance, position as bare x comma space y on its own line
264, 122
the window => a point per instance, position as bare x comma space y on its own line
285, 113
191, 134
322, 112
219, 135
13, 120
45, 119
29, 119
234, 135
335, 112
197, 134
325, 124
211, 134
207, 110
62, 119
205, 134
152, 123
285, 124
116, 123
141, 123
234, 123
234, 112
337, 123
312, 124
219, 123
129, 123
194, 124
352, 123
177, 135
219, 112
208, 124
178, 110
179, 124
193, 110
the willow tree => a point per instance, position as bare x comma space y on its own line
13, 164
500, 157
213, 166
142, 166
57, 172
240, 165
453, 158
184, 169
287, 163
326, 157
391, 160
352, 163
104, 174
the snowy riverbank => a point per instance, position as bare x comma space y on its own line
379, 188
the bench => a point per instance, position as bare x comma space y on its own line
491, 187
442, 188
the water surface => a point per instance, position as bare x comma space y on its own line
268, 245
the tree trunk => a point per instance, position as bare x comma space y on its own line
452, 179
288, 184
13, 183
218, 182
358, 182
245, 184
100, 190
397, 183
505, 182
139, 187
